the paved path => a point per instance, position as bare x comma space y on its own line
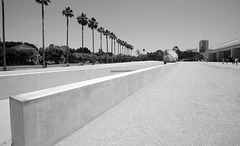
5, 131
194, 104
32, 69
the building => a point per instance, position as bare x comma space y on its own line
203, 46
229, 50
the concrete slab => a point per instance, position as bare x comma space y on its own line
194, 104
5, 130
44, 117
17, 82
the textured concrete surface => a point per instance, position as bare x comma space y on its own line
5, 131
17, 82
194, 104
44, 117
201, 109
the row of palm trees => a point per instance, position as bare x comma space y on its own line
93, 24
82, 20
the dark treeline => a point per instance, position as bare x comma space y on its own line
158, 55
12, 44
16, 56
59, 54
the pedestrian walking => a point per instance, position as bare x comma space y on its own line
227, 61
236, 61
223, 61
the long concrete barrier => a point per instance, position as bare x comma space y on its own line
45, 117
14, 83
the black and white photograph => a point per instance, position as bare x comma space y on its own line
119, 73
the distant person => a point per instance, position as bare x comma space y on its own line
223, 61
227, 61
233, 60
236, 61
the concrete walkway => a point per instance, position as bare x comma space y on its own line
5, 131
194, 104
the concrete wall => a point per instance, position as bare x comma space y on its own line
45, 117
17, 83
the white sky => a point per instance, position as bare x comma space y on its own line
149, 24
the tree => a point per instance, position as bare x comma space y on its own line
43, 2
112, 36
67, 13
118, 42
107, 33
115, 38
100, 30
4, 48
84, 50
138, 52
82, 20
54, 52
93, 24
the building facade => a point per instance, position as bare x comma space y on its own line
229, 50
203, 46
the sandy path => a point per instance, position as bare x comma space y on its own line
194, 104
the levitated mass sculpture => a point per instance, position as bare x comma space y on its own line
169, 56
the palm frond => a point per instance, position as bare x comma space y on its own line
45, 2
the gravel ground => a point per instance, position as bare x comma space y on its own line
194, 104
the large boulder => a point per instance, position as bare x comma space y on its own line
170, 56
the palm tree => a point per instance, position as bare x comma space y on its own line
83, 20
3, 29
118, 42
100, 30
115, 38
93, 24
67, 13
111, 36
43, 2
131, 47
123, 47
118, 53
106, 33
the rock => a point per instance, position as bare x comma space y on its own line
170, 56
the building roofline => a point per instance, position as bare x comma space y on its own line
226, 44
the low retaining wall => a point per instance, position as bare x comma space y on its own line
27, 82
45, 117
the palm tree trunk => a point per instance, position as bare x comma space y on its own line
82, 47
114, 47
67, 38
118, 53
101, 47
44, 65
112, 50
93, 45
3, 29
107, 47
